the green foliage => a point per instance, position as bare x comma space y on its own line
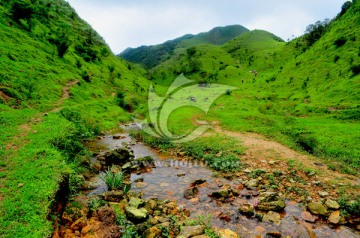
352, 207
75, 183
340, 41
315, 31
128, 230
355, 69
346, 6
96, 203
219, 152
114, 181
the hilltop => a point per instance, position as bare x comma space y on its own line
150, 56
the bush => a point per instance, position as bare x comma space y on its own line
355, 69
307, 142
340, 42
86, 52
21, 10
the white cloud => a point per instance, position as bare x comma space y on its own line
138, 22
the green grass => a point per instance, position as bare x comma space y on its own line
39, 167
34, 72
307, 98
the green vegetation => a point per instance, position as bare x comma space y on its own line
114, 180
57, 82
219, 152
303, 93
150, 56
60, 84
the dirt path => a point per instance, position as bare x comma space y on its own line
262, 153
25, 129
66, 95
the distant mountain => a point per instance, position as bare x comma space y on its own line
151, 56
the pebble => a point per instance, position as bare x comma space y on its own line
323, 194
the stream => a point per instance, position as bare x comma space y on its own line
171, 176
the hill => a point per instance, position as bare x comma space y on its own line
303, 93
150, 56
211, 63
59, 85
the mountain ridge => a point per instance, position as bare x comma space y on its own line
150, 56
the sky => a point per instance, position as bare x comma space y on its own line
132, 23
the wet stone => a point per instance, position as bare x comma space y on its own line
317, 208
273, 217
331, 204
190, 193
334, 217
308, 217
323, 194
247, 209
190, 231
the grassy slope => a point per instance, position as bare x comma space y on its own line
33, 148
301, 97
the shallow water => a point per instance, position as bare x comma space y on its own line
164, 182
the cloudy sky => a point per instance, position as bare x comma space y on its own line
131, 23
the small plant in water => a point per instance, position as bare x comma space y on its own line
113, 180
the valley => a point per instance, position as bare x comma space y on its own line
280, 155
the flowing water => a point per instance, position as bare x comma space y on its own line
170, 177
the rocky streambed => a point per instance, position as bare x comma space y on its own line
173, 197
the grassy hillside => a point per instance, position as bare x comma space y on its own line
151, 56
59, 84
305, 93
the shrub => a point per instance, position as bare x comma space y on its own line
21, 10
336, 58
307, 142
62, 44
355, 69
228, 92
340, 42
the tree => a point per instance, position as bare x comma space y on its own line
345, 7
315, 31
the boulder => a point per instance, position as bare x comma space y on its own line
331, 204
222, 193
190, 231
273, 217
317, 208
118, 156
271, 201
252, 183
247, 209
136, 215
308, 217
334, 217
226, 233
113, 196
136, 202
